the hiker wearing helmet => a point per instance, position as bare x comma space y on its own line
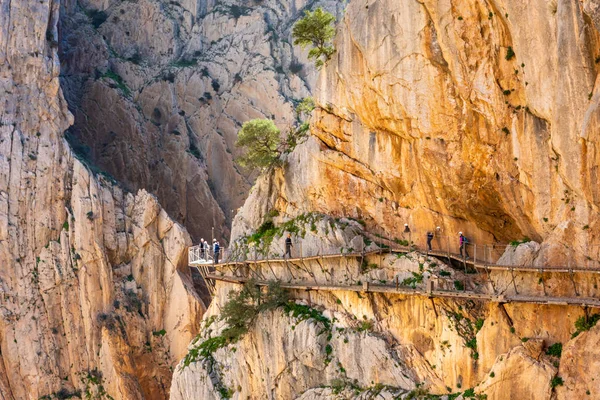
463, 245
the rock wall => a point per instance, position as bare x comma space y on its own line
95, 298
393, 345
159, 90
473, 116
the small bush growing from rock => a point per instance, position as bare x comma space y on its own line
555, 350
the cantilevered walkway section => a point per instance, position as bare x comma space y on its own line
212, 272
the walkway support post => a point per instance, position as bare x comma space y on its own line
512, 272
572, 275
542, 279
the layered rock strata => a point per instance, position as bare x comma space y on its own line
469, 116
159, 90
95, 298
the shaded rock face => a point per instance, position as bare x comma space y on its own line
95, 298
159, 90
478, 117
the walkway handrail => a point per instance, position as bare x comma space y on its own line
392, 289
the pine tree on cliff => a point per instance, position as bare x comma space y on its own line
260, 139
316, 29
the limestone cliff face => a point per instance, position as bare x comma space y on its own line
472, 116
355, 345
95, 298
159, 90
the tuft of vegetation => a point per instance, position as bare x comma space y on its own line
585, 324
510, 54
516, 243
118, 81
555, 350
459, 285
305, 107
556, 381
479, 324
416, 279
316, 29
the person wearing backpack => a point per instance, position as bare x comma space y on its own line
463, 241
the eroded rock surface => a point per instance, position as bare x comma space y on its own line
392, 345
95, 298
159, 90
470, 116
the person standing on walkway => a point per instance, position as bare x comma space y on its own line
288, 246
216, 251
463, 241
429, 239
202, 249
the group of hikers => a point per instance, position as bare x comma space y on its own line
205, 250
462, 241
216, 248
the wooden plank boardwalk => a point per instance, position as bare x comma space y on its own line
214, 272
392, 289
404, 250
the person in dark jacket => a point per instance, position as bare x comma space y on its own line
216, 250
429, 239
288, 246
463, 245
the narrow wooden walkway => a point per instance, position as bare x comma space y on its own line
391, 289
438, 254
214, 272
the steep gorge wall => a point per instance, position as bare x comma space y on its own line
95, 295
426, 117
474, 116
395, 345
159, 90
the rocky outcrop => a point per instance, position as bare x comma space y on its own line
95, 298
159, 90
454, 115
355, 344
